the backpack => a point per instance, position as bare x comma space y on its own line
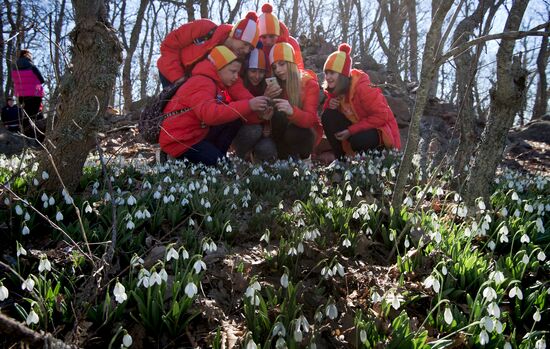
152, 116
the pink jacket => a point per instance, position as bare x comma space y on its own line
26, 83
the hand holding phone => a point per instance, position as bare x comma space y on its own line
271, 81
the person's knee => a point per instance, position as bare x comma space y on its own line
246, 138
299, 140
265, 149
366, 140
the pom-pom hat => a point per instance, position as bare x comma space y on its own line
221, 56
268, 23
281, 51
256, 60
340, 61
247, 29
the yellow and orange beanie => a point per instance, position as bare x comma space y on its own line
221, 56
340, 61
268, 23
256, 60
281, 51
247, 29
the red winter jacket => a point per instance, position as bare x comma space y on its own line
204, 93
306, 117
370, 109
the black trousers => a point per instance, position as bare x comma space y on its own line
334, 122
291, 140
31, 106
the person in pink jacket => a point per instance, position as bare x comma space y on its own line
204, 132
356, 115
27, 83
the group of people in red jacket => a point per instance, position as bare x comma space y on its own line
246, 85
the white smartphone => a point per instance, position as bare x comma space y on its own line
271, 81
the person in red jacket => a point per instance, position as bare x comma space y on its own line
203, 133
356, 116
255, 139
190, 43
273, 31
295, 124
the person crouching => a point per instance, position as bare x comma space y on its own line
203, 133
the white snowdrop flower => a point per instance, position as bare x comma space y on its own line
184, 254
448, 316
331, 311
348, 197
25, 230
298, 335
525, 259
18, 210
44, 265
528, 208
483, 337
517, 213
498, 327
143, 281
489, 294
525, 239
340, 269
437, 237
35, 182
284, 280
462, 211
130, 225
300, 247
515, 292
444, 270
507, 345
540, 225
131, 200
120, 293
59, 216
172, 254
163, 275
481, 205
198, 266
155, 279
491, 245
191, 222
157, 195
488, 323
4, 293
358, 193
346, 243
167, 180
51, 201
432, 282
536, 316
540, 344
127, 340
541, 256
493, 309
45, 175
88, 208
44, 197
45, 204
394, 300
498, 276
191, 290
504, 212
228, 228
28, 284
136, 261
251, 344
407, 243
21, 251
32, 318
27, 217
107, 197
515, 196
292, 251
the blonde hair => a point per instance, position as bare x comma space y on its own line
292, 85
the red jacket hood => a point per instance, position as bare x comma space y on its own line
206, 68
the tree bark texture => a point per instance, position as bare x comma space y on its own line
429, 68
466, 68
85, 93
394, 13
541, 99
413, 40
506, 98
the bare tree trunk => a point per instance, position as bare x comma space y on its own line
429, 68
294, 22
233, 13
433, 88
130, 49
190, 10
393, 12
204, 9
506, 98
413, 40
344, 7
541, 99
466, 68
361, 27
85, 93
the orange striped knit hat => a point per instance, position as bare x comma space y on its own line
221, 56
281, 51
256, 60
247, 29
269, 24
340, 61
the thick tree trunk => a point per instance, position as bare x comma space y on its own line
127, 82
190, 10
294, 22
394, 13
85, 93
466, 68
506, 99
429, 69
433, 86
541, 99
